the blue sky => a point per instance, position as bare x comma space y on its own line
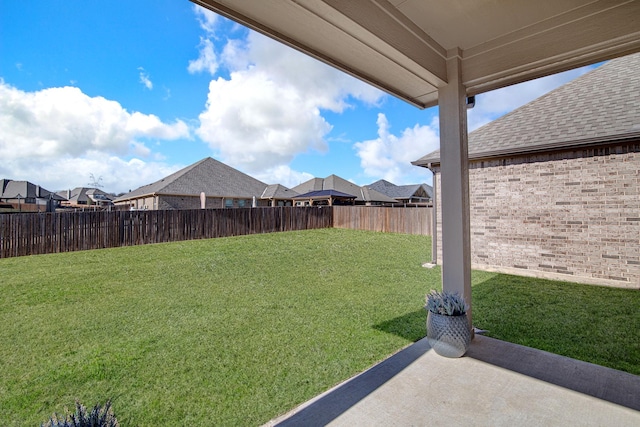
128, 92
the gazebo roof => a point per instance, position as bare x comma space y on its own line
324, 194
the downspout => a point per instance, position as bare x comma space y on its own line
434, 220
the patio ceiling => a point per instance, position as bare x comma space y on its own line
401, 46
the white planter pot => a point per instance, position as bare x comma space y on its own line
449, 336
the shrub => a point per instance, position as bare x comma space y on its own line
98, 417
447, 303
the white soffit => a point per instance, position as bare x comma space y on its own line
401, 46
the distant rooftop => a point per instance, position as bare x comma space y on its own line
208, 175
334, 182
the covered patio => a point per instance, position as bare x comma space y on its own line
429, 52
495, 384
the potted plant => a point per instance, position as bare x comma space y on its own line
448, 330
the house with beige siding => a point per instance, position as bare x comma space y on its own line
82, 197
555, 185
25, 196
278, 195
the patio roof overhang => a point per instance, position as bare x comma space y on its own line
402, 46
433, 52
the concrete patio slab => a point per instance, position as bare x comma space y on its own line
495, 384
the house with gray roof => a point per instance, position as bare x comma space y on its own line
27, 197
406, 195
221, 185
363, 195
555, 184
324, 198
81, 197
278, 195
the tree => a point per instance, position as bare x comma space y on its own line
95, 183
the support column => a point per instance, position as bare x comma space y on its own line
454, 183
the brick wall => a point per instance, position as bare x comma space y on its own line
571, 215
191, 202
188, 202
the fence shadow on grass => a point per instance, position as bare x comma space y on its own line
410, 326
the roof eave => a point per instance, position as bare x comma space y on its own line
553, 147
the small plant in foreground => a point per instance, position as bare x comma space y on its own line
446, 303
98, 417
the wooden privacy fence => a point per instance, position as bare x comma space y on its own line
42, 233
388, 220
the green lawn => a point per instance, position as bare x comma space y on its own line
596, 324
235, 331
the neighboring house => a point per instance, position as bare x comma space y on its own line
278, 195
222, 186
363, 195
82, 197
27, 197
555, 184
413, 195
324, 198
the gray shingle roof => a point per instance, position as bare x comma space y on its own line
599, 106
278, 191
334, 182
210, 176
314, 184
10, 189
399, 191
325, 193
82, 194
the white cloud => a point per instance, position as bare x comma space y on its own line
256, 124
115, 174
140, 150
207, 59
270, 108
284, 175
150, 126
167, 93
325, 86
389, 156
144, 79
58, 136
207, 19
234, 54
